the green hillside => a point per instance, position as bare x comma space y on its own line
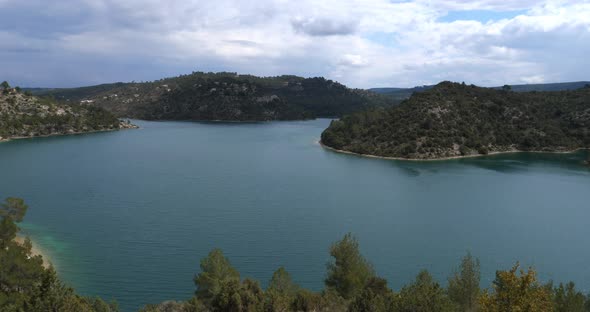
225, 96
23, 115
454, 119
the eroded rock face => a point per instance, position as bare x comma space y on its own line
24, 116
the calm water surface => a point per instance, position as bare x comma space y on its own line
128, 215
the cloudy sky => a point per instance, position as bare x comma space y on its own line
362, 43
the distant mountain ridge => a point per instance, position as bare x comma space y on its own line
559, 86
225, 96
400, 94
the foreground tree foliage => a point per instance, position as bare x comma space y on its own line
15, 208
351, 285
463, 286
281, 292
567, 299
349, 271
375, 296
424, 295
516, 292
25, 284
216, 274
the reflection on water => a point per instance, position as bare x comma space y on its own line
504, 163
518, 162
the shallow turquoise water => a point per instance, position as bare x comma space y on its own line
128, 215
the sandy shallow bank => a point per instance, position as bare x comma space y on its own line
36, 251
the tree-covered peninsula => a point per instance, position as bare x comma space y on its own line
225, 96
454, 120
23, 115
351, 284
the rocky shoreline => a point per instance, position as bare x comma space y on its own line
449, 158
122, 126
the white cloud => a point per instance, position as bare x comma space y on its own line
533, 79
353, 60
332, 38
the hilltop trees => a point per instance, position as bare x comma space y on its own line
6, 88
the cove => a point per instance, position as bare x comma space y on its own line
128, 215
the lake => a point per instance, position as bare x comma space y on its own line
128, 215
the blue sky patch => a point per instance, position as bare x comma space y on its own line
479, 15
385, 39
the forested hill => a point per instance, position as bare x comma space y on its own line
454, 119
225, 96
25, 115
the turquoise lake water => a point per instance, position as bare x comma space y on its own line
128, 215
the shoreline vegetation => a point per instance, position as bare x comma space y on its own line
351, 284
35, 250
587, 162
